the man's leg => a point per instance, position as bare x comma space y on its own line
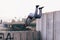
36, 11
40, 11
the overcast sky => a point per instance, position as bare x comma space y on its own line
21, 8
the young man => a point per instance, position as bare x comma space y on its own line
31, 17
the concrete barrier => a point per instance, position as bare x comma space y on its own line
20, 35
49, 25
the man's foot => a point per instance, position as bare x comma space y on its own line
41, 7
37, 6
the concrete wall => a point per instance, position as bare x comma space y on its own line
49, 25
20, 35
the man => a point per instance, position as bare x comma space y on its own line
31, 17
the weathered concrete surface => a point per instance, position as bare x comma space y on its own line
49, 25
20, 35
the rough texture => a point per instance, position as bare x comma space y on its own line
49, 25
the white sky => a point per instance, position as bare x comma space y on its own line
21, 8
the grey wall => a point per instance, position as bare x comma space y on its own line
49, 25
20, 35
